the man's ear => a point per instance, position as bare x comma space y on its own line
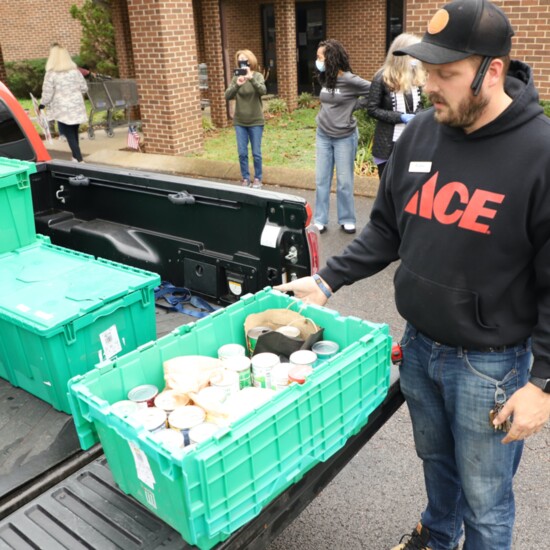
495, 72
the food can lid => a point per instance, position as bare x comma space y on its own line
143, 392
265, 359
325, 347
169, 400
237, 363
169, 438
289, 330
231, 350
125, 407
151, 417
303, 357
186, 417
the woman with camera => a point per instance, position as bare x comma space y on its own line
247, 88
337, 135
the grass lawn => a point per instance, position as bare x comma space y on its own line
288, 140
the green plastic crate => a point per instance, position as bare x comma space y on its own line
62, 312
208, 492
17, 227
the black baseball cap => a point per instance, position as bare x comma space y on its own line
463, 28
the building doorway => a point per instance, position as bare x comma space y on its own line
310, 30
268, 39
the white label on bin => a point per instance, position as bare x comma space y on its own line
23, 308
110, 342
142, 466
150, 497
270, 235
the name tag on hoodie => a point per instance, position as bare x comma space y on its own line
420, 167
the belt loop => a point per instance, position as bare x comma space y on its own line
460, 352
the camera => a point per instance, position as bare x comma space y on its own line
240, 72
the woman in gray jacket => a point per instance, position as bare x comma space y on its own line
62, 94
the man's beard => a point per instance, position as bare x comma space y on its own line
463, 116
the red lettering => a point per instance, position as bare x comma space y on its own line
443, 200
428, 204
476, 209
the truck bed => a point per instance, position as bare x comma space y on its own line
53, 495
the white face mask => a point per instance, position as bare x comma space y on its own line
414, 62
320, 66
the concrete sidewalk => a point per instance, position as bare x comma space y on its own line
113, 151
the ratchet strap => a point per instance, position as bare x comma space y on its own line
177, 296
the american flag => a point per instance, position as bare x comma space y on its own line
133, 138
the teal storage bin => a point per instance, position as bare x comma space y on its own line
17, 227
62, 312
209, 491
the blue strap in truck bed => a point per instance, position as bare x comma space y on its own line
176, 296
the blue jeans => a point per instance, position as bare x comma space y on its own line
254, 135
331, 152
467, 470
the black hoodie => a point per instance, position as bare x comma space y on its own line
468, 215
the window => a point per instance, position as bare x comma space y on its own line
13, 142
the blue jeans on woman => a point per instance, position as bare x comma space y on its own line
468, 472
70, 131
254, 135
331, 152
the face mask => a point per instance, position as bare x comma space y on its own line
414, 62
243, 64
320, 66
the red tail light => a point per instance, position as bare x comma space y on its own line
313, 242
309, 214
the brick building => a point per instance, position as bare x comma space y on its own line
160, 43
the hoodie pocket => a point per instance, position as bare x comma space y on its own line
443, 313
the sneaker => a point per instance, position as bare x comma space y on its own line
417, 540
245, 182
321, 227
257, 184
348, 227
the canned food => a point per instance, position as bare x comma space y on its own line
303, 357
144, 395
212, 394
279, 376
299, 373
184, 418
231, 350
125, 408
325, 349
202, 432
290, 331
262, 365
171, 439
168, 400
240, 365
152, 418
228, 382
252, 337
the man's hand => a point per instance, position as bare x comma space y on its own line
306, 289
531, 409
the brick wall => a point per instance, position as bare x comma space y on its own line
531, 21
29, 27
285, 32
123, 38
361, 27
166, 71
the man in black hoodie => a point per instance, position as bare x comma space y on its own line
464, 204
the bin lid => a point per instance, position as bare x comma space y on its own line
46, 287
12, 167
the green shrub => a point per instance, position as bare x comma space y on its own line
546, 106
366, 125
97, 45
26, 77
277, 106
306, 101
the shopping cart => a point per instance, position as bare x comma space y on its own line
123, 95
101, 102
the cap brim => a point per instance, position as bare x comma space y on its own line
432, 53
